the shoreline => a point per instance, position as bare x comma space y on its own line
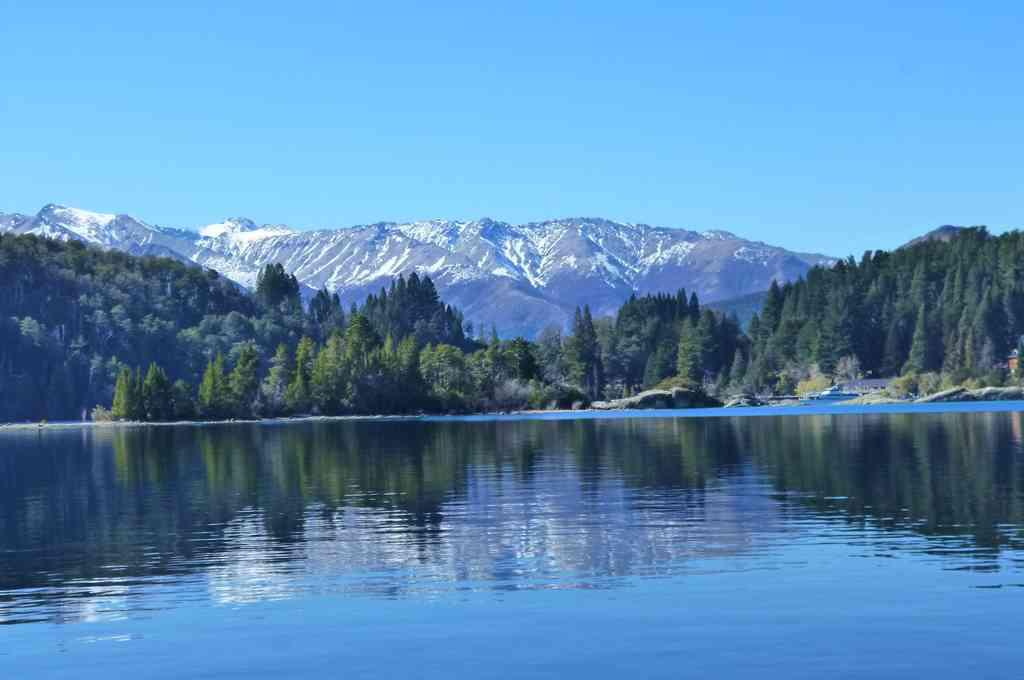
839, 408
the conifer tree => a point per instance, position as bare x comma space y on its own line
771, 310
243, 383
275, 286
659, 364
919, 359
298, 396
184, 405
688, 356
694, 306
583, 359
275, 387
738, 371
214, 393
157, 397
360, 340
138, 411
123, 408
327, 382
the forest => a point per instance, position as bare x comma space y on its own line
936, 314
87, 333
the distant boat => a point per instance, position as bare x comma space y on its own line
834, 393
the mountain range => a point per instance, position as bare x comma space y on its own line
520, 278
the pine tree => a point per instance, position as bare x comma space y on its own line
659, 364
327, 384
184, 406
123, 408
582, 354
738, 371
919, 359
326, 312
243, 383
688, 355
298, 396
360, 340
694, 306
157, 397
709, 346
771, 310
214, 394
275, 387
138, 411
275, 286
523, 361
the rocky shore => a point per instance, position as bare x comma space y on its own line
676, 397
980, 394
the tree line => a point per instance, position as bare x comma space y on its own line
936, 313
149, 338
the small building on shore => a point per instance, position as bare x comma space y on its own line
1013, 361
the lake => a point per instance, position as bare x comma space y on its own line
840, 544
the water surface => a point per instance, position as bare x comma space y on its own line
847, 544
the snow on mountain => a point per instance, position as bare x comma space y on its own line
519, 277
230, 226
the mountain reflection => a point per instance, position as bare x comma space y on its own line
250, 512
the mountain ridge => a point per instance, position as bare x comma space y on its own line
518, 277
944, 233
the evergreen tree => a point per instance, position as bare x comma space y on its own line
360, 340
275, 387
582, 352
275, 286
694, 306
157, 396
214, 392
689, 366
919, 359
184, 406
659, 364
327, 381
738, 371
771, 310
298, 396
522, 359
243, 383
138, 411
326, 312
123, 406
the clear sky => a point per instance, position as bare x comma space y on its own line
809, 125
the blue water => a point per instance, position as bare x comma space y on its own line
846, 543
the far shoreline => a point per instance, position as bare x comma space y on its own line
841, 408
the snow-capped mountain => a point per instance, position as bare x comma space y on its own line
519, 277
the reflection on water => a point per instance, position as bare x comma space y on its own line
96, 525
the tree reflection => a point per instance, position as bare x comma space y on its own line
487, 500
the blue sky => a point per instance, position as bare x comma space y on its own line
818, 128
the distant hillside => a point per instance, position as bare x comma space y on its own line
944, 233
950, 305
743, 307
71, 315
